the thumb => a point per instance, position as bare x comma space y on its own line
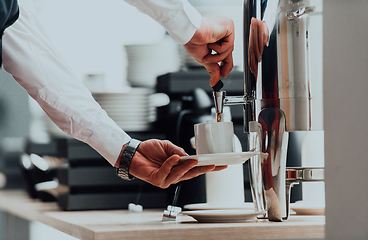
214, 71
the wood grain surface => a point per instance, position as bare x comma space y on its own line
122, 224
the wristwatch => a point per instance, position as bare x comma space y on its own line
126, 158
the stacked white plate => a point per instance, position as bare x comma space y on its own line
132, 111
148, 61
235, 12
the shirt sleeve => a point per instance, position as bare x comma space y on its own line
30, 58
178, 17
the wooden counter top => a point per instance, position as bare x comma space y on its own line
122, 224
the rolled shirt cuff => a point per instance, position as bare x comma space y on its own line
178, 17
183, 25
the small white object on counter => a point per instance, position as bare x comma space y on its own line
171, 213
135, 207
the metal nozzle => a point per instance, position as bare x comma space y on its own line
219, 98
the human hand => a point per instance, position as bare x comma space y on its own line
157, 162
217, 34
258, 38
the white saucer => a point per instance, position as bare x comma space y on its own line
301, 208
221, 159
207, 206
221, 216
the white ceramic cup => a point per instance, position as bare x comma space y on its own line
224, 189
214, 137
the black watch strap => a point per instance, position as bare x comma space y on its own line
126, 158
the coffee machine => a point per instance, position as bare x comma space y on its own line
278, 99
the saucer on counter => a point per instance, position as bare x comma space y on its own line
301, 208
209, 206
224, 215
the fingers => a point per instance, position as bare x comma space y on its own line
199, 171
166, 168
224, 56
195, 172
172, 149
227, 66
265, 35
224, 45
153, 168
214, 71
255, 42
219, 168
179, 171
171, 172
256, 39
215, 34
253, 64
261, 39
218, 57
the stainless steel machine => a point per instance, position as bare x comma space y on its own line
278, 97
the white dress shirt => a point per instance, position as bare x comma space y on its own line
179, 18
29, 56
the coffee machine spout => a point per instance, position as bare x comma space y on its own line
219, 99
222, 100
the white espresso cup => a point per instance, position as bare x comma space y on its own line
224, 189
214, 137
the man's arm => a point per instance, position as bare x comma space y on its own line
29, 56
199, 35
